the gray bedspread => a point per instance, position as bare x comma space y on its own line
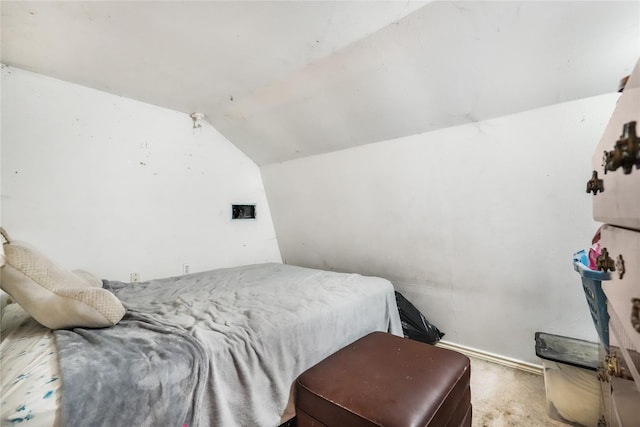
217, 348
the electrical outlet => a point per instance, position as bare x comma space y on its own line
186, 268
135, 277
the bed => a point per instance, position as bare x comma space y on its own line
216, 348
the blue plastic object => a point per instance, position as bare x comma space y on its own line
596, 299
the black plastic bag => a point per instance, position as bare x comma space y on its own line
414, 325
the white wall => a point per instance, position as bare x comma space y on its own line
115, 186
475, 224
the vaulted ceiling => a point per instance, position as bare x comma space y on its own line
288, 79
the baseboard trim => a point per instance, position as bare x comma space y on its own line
493, 358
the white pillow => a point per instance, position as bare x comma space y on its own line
88, 278
56, 298
4, 301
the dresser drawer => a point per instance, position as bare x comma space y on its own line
622, 290
617, 200
624, 403
618, 203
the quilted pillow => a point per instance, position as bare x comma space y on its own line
88, 278
56, 298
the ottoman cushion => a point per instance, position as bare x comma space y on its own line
385, 380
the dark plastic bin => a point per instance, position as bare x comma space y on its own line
596, 299
570, 351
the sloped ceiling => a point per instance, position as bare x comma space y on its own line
283, 80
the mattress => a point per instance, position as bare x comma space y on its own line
30, 380
258, 326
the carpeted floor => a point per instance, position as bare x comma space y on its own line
504, 397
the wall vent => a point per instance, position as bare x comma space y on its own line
243, 211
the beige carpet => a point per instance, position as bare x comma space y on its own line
503, 396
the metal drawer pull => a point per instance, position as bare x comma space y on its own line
620, 266
603, 375
594, 184
635, 314
626, 152
611, 362
604, 262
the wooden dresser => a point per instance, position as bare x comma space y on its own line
616, 203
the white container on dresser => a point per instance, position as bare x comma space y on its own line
616, 203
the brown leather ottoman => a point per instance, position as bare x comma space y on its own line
385, 380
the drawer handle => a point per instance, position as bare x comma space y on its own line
604, 262
635, 314
612, 365
620, 266
626, 152
595, 184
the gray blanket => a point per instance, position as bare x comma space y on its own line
218, 348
